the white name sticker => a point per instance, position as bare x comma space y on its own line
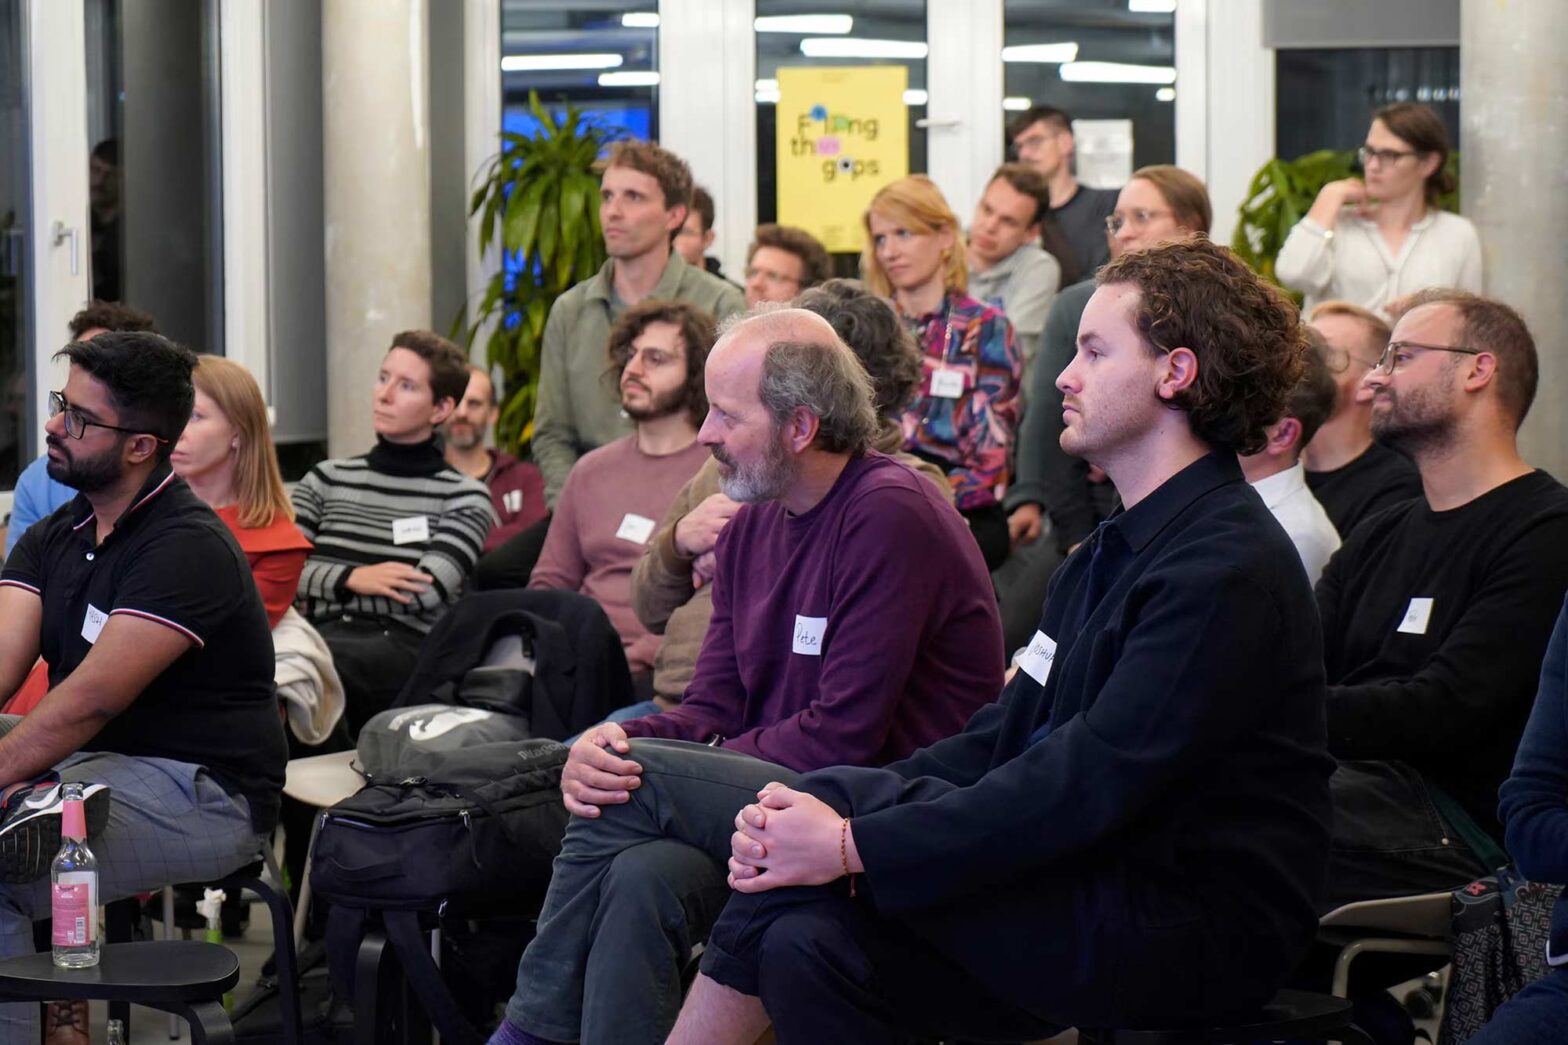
1037, 657
92, 624
808, 635
512, 501
412, 530
1416, 616
947, 384
635, 528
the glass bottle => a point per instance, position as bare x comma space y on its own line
73, 879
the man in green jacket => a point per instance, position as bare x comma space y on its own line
644, 196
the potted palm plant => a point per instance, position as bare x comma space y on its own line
539, 199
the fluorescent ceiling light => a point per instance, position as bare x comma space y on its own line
1152, 7
537, 63
915, 96
1165, 94
1051, 54
629, 79
804, 25
640, 20
1016, 104
851, 47
1117, 72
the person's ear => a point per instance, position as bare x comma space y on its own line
1180, 370
1284, 434
443, 410
676, 217
1427, 165
1482, 372
802, 429
139, 448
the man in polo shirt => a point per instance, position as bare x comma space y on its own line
1130, 837
644, 194
852, 623
160, 656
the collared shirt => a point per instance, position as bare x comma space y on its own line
579, 406
968, 433
1355, 264
1305, 522
1172, 745
169, 560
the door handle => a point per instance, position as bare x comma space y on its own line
63, 232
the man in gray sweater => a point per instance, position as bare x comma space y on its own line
644, 195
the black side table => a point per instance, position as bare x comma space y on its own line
185, 977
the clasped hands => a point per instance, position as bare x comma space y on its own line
788, 837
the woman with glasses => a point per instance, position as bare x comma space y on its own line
967, 407
1374, 242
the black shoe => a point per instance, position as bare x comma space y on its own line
30, 822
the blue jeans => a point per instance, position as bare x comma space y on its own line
1537, 1015
633, 891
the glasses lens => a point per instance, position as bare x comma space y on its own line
1113, 223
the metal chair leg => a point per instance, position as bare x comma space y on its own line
284, 955
168, 934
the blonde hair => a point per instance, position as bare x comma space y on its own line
1378, 330
918, 205
258, 483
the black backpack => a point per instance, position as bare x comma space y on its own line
466, 833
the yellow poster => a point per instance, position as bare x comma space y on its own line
843, 133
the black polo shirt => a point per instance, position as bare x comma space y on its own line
172, 561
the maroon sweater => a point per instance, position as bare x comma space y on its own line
852, 634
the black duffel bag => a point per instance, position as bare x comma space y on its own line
464, 833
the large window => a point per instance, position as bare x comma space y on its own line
17, 419
1326, 97
600, 57
1101, 60
795, 33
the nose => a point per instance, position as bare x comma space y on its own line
708, 434
1067, 380
55, 426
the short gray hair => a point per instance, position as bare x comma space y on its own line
826, 379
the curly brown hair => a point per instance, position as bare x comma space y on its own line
109, 315
697, 334
815, 265
1246, 334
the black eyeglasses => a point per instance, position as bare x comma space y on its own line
1367, 155
1397, 354
76, 423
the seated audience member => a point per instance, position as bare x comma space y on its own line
1157, 204
1351, 475
1042, 138
516, 487
1276, 472
1375, 242
696, 235
852, 623
1535, 817
1007, 268
1436, 612
396, 531
963, 418
645, 196
1130, 837
37, 496
782, 262
672, 591
160, 661
616, 494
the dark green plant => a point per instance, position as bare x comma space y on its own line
1282, 192
539, 199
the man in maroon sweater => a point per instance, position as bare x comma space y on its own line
853, 623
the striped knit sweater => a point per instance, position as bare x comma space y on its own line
348, 507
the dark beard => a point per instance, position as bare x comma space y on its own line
88, 476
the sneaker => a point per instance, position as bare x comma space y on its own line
30, 826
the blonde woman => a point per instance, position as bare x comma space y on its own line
967, 408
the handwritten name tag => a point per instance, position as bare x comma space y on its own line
635, 528
93, 623
808, 635
1037, 657
947, 384
1415, 620
412, 530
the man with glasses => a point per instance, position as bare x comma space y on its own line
1436, 612
160, 658
1042, 137
616, 495
1351, 474
783, 261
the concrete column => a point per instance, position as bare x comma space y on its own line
1514, 121
376, 160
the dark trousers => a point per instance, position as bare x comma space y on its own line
828, 970
511, 564
1537, 1015
989, 526
374, 658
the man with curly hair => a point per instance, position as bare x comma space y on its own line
1136, 833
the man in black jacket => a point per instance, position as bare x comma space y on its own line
1136, 833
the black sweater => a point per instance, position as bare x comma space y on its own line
1451, 700
1378, 479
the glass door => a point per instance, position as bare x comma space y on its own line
16, 427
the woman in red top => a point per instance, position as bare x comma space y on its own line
227, 457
